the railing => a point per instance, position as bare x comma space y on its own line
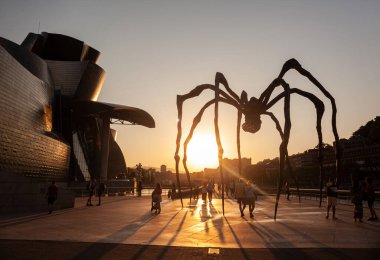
344, 196
129, 191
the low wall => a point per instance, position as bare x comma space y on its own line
20, 194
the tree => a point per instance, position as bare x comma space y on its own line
324, 146
371, 130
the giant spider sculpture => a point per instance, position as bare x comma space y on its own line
252, 110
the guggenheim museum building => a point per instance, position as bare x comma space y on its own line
51, 125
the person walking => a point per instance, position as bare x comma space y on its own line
370, 196
156, 199
357, 200
332, 195
204, 193
232, 187
100, 191
240, 196
210, 190
52, 195
173, 193
287, 190
251, 197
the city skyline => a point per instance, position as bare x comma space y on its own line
153, 51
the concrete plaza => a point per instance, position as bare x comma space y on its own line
124, 228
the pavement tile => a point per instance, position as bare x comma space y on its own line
124, 228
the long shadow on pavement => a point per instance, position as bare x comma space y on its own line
119, 236
145, 247
243, 251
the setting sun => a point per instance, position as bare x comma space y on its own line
202, 152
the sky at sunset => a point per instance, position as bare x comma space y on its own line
154, 50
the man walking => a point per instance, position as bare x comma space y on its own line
240, 195
52, 194
210, 190
251, 197
332, 194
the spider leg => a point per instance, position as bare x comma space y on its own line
279, 129
217, 134
219, 78
196, 121
238, 139
320, 108
180, 100
285, 140
243, 101
294, 64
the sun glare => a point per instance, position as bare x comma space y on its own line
202, 152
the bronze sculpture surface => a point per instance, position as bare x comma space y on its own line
252, 110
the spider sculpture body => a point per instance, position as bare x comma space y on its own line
252, 110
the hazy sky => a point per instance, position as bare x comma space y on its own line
154, 50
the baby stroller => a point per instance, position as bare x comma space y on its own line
156, 203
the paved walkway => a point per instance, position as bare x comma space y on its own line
124, 227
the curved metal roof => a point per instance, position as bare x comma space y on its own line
120, 112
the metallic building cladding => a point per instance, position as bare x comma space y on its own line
52, 46
62, 65
66, 75
71, 62
77, 79
48, 90
91, 83
29, 60
26, 147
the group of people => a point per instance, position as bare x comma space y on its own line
359, 193
207, 191
95, 188
245, 194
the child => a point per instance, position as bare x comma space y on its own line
156, 198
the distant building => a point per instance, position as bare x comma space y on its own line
231, 166
358, 150
309, 158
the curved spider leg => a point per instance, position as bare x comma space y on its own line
196, 121
284, 143
238, 125
243, 100
180, 100
279, 129
219, 79
320, 108
294, 64
264, 98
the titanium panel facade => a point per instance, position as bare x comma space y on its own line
27, 147
39, 80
